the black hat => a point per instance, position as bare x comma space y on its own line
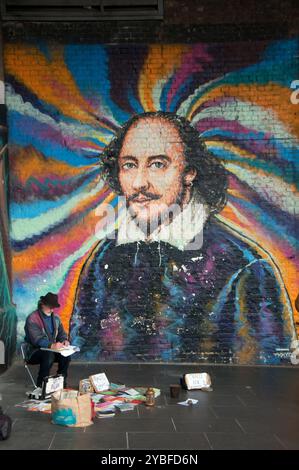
51, 300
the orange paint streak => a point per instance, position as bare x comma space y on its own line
87, 202
270, 96
67, 293
30, 163
231, 147
250, 346
56, 247
51, 81
287, 267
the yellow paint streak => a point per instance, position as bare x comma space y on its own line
260, 238
51, 81
270, 96
248, 351
30, 163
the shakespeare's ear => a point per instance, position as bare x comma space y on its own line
190, 175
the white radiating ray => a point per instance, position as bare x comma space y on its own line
270, 188
51, 280
157, 92
31, 226
16, 103
186, 105
265, 120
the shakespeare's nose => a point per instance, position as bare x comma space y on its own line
140, 181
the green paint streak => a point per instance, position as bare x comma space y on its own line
8, 317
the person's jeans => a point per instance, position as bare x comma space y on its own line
46, 359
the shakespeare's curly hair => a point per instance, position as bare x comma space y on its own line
211, 180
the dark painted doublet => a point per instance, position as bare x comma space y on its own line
153, 302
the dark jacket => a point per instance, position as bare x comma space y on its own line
36, 331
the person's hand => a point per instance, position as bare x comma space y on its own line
66, 343
57, 346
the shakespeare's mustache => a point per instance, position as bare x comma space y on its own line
143, 193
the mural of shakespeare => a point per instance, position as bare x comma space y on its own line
172, 282
153, 188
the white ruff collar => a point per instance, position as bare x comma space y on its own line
179, 233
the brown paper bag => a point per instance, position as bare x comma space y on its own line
68, 408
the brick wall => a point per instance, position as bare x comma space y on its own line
8, 318
70, 89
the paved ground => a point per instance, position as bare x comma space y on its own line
250, 408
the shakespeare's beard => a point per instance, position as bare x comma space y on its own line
151, 213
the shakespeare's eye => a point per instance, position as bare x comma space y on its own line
128, 166
158, 165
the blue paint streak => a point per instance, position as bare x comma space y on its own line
134, 103
268, 221
265, 165
90, 69
49, 148
286, 150
37, 208
164, 93
179, 94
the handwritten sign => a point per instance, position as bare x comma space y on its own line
100, 382
197, 381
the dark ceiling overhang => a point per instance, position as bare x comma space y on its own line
81, 10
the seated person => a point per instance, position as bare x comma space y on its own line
43, 329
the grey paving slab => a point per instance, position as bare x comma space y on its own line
241, 411
256, 400
176, 411
275, 423
30, 425
240, 441
207, 425
288, 439
96, 441
207, 399
28, 441
168, 441
249, 408
131, 425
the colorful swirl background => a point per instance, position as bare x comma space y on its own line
65, 104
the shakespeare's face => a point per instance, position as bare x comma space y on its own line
151, 168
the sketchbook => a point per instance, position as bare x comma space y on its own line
67, 351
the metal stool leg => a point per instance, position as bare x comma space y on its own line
26, 366
30, 375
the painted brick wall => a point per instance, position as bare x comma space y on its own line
230, 300
8, 318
